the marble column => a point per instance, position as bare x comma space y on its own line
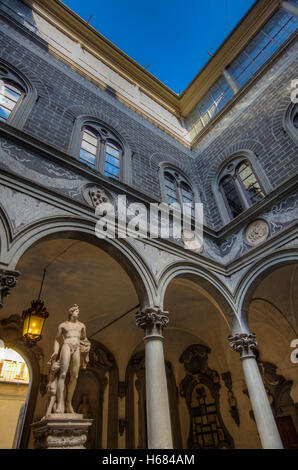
153, 320
245, 344
290, 7
8, 279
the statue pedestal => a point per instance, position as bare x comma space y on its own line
61, 431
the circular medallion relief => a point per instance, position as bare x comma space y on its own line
257, 232
94, 195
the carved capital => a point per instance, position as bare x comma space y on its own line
8, 279
243, 343
152, 317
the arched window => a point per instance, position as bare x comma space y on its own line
97, 145
239, 186
17, 96
10, 97
177, 190
101, 151
290, 123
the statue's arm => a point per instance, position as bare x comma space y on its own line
56, 343
83, 332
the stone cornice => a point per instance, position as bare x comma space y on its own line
68, 22
8, 280
166, 109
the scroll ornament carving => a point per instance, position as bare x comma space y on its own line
152, 317
8, 279
243, 343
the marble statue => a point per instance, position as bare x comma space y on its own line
72, 354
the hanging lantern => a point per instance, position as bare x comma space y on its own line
34, 318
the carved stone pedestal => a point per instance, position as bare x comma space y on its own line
61, 431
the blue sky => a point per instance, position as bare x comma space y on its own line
174, 36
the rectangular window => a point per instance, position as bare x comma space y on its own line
112, 162
8, 100
88, 148
257, 52
214, 100
269, 39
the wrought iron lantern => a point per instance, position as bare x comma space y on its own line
34, 319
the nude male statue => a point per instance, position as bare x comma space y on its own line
75, 344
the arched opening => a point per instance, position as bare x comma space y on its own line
101, 281
15, 383
201, 319
272, 301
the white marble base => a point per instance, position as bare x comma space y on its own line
61, 431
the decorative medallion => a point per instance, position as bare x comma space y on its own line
94, 195
257, 232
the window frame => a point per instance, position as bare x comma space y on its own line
16, 89
236, 159
179, 178
288, 122
106, 134
23, 107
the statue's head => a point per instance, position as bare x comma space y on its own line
73, 312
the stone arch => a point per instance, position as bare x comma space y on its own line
6, 231
158, 158
74, 228
253, 278
28, 74
211, 287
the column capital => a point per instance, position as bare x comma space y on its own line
8, 279
244, 343
152, 317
